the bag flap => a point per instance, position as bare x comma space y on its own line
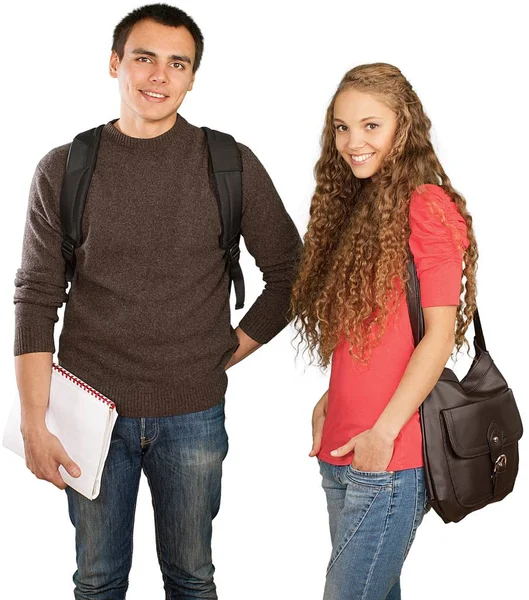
467, 425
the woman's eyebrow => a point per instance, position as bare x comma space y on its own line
361, 120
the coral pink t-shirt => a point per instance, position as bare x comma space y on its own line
359, 393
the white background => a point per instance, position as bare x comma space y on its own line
269, 71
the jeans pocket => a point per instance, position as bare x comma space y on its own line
369, 478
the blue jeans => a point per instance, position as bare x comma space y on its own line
373, 517
182, 458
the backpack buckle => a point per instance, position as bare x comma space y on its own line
234, 252
68, 248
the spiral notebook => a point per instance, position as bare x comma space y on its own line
82, 419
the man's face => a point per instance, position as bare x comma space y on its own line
155, 72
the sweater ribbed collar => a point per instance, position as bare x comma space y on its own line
160, 141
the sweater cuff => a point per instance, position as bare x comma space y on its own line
259, 328
34, 340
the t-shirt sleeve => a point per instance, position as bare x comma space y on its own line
437, 241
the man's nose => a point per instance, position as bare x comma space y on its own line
158, 75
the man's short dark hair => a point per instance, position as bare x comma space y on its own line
163, 14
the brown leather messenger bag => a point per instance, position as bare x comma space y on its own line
470, 428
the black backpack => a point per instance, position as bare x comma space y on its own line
225, 164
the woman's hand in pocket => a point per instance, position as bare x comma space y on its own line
372, 450
318, 419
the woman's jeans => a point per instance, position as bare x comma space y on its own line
373, 517
182, 458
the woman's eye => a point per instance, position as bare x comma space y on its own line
340, 128
372, 126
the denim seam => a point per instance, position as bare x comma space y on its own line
371, 570
146, 441
373, 483
414, 526
159, 551
132, 532
373, 474
350, 537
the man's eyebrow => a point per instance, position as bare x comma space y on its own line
180, 57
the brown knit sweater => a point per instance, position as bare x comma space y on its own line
147, 322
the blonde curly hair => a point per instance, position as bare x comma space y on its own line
356, 245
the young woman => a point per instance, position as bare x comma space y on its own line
382, 198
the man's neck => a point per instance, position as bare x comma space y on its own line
134, 126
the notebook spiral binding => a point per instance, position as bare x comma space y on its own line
84, 385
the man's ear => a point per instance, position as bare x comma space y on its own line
114, 64
191, 83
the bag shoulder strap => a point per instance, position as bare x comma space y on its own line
80, 166
413, 297
226, 166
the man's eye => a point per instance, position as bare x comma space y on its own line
178, 65
143, 58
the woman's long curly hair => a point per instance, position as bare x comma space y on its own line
356, 245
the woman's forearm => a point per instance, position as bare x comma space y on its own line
422, 373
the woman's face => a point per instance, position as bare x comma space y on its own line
365, 129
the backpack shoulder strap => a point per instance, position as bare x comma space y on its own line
226, 166
80, 167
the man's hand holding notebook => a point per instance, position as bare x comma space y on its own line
79, 423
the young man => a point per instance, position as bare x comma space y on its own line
147, 321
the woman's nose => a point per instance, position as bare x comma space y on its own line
356, 141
